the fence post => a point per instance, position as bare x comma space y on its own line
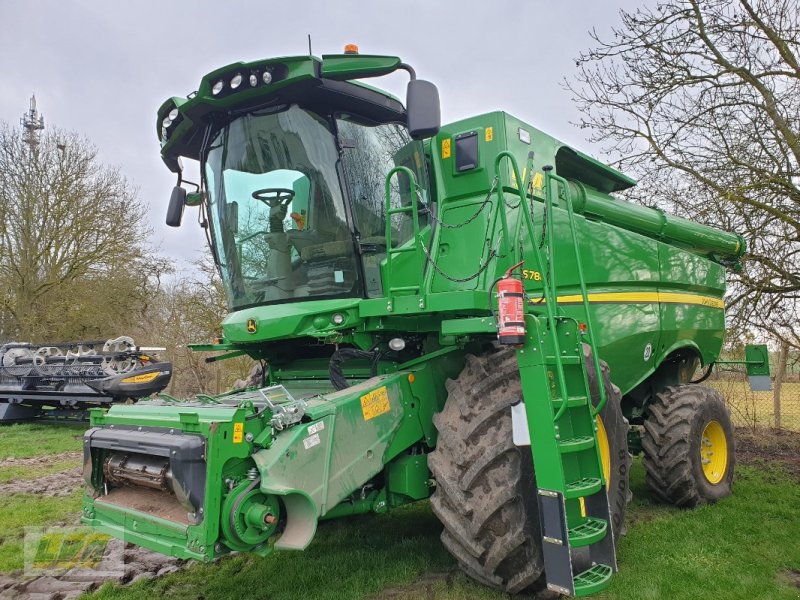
783, 358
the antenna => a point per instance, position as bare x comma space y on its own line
32, 123
309, 44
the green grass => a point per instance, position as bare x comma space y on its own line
18, 511
736, 549
37, 439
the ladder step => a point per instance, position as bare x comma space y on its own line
593, 580
588, 533
576, 444
572, 402
583, 487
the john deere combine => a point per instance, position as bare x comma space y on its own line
460, 312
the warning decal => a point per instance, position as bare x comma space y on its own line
375, 403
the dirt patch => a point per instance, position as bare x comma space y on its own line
57, 484
121, 563
769, 446
36, 461
790, 576
433, 586
422, 588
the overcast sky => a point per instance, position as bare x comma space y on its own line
102, 68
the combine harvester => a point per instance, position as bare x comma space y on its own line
441, 312
61, 381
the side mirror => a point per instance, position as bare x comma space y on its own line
422, 109
177, 201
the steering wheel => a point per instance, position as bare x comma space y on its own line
273, 197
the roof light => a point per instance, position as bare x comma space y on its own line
351, 49
253, 80
218, 87
166, 122
173, 114
267, 77
236, 81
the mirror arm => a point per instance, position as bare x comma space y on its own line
196, 185
409, 68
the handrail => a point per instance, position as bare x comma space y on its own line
413, 208
548, 287
550, 176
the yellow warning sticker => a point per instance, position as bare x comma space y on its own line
489, 134
446, 148
538, 182
375, 403
238, 433
145, 378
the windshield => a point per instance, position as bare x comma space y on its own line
369, 153
277, 212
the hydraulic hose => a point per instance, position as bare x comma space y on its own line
344, 354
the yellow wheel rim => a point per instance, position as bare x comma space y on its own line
605, 451
714, 452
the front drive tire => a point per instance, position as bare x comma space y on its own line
486, 487
689, 449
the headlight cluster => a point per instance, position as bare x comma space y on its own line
235, 82
170, 118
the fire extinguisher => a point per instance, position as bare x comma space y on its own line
510, 309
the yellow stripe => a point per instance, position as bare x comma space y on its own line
646, 298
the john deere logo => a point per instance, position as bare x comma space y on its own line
251, 326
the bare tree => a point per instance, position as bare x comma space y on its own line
75, 258
701, 100
191, 309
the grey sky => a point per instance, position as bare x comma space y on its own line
102, 68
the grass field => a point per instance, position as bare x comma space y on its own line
756, 408
745, 547
18, 445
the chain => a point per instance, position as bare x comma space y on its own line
492, 254
474, 216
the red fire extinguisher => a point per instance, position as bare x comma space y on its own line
510, 309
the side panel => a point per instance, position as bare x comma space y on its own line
700, 322
622, 273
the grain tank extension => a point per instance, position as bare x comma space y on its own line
363, 247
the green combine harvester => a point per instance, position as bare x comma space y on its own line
462, 313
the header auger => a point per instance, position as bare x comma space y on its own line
363, 248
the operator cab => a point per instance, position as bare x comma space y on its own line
294, 175
297, 204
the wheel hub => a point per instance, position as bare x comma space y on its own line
714, 452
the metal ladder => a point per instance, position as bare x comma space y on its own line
415, 246
572, 500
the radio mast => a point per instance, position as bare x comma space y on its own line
32, 123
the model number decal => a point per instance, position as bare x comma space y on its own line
532, 275
375, 403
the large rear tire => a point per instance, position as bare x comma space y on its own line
486, 488
689, 449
